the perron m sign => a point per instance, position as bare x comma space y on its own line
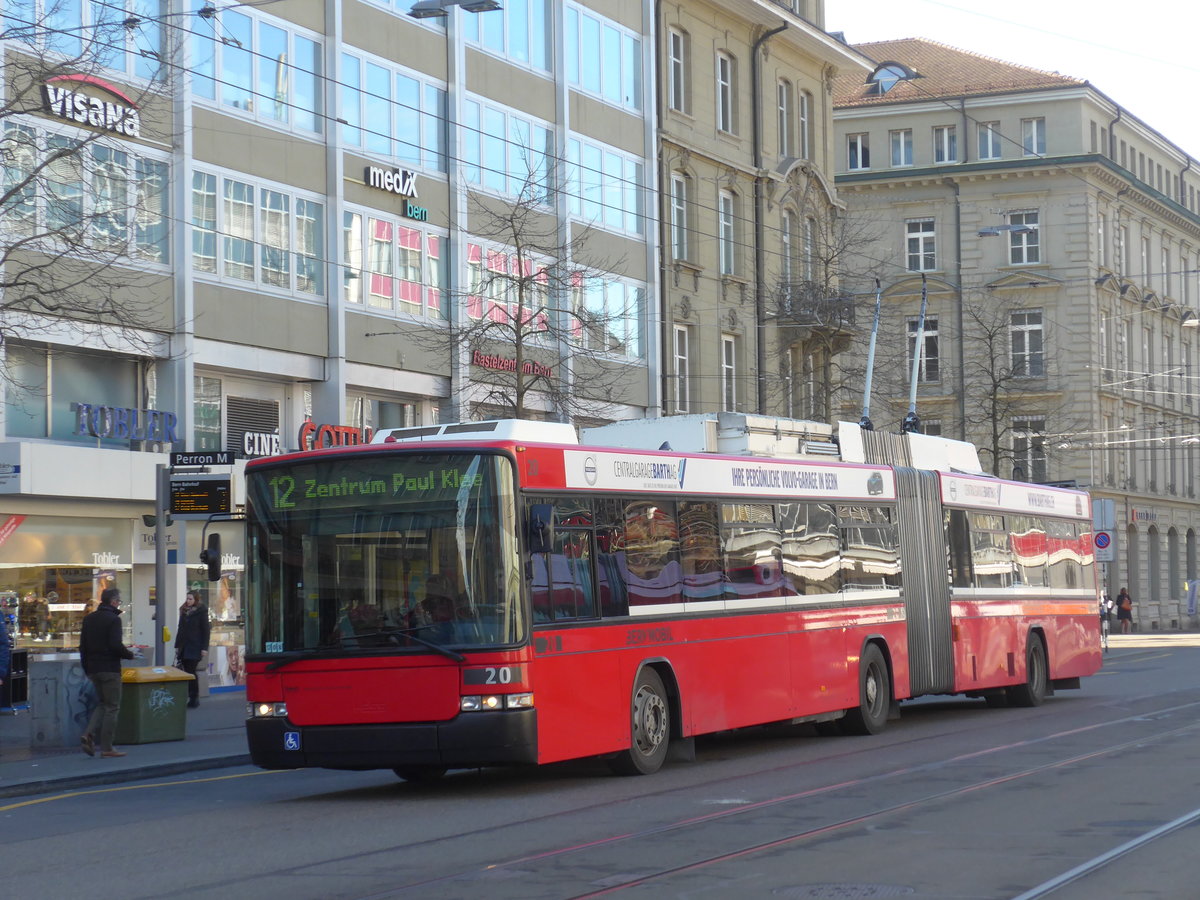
65, 100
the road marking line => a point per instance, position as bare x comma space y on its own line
134, 787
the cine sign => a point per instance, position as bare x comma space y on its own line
200, 496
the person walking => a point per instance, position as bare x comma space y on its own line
101, 651
191, 642
1125, 611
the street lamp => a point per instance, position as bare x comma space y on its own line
429, 9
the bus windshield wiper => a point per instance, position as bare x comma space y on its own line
297, 655
408, 633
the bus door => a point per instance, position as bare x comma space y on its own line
923, 558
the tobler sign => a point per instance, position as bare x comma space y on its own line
65, 100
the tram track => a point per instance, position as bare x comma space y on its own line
825, 829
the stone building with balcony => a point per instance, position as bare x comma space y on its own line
751, 310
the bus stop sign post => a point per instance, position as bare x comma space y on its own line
161, 504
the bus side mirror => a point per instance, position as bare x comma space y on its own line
211, 557
541, 528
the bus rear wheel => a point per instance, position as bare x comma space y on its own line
650, 728
1034, 690
874, 695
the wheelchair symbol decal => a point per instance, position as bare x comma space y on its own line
291, 740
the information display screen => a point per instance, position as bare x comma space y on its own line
200, 496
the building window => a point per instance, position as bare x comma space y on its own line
93, 33
929, 368
93, 196
858, 151
1146, 260
391, 266
805, 119
728, 373
607, 315
787, 246
605, 186
1029, 448
206, 416
902, 147
726, 93
1033, 137
808, 251
58, 393
393, 113
682, 355
919, 235
368, 414
678, 71
268, 236
260, 66
1123, 250
1028, 348
989, 141
1023, 245
727, 232
602, 58
1102, 240
679, 216
509, 153
945, 144
1165, 269
785, 112
518, 33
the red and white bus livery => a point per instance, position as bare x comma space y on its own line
495, 593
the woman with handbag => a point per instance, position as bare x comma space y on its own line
191, 642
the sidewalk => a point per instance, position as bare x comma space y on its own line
215, 738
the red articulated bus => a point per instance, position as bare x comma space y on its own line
495, 593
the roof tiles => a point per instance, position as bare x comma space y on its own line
942, 71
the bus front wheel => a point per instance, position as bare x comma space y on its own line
650, 728
874, 695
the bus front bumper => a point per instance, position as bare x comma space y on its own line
467, 741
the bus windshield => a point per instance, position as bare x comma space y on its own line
376, 553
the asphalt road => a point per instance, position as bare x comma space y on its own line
1094, 794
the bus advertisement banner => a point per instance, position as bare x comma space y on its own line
1015, 497
592, 469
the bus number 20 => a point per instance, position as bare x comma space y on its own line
497, 675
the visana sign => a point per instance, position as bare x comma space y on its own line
64, 101
400, 181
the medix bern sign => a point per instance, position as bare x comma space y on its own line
400, 181
66, 102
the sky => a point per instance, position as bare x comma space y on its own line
1143, 55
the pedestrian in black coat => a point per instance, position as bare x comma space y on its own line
101, 651
191, 641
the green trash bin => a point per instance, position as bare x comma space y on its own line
153, 705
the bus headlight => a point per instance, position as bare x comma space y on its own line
488, 702
266, 710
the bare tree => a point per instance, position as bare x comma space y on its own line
819, 313
1011, 383
548, 320
84, 197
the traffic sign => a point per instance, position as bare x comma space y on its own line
1103, 540
203, 458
